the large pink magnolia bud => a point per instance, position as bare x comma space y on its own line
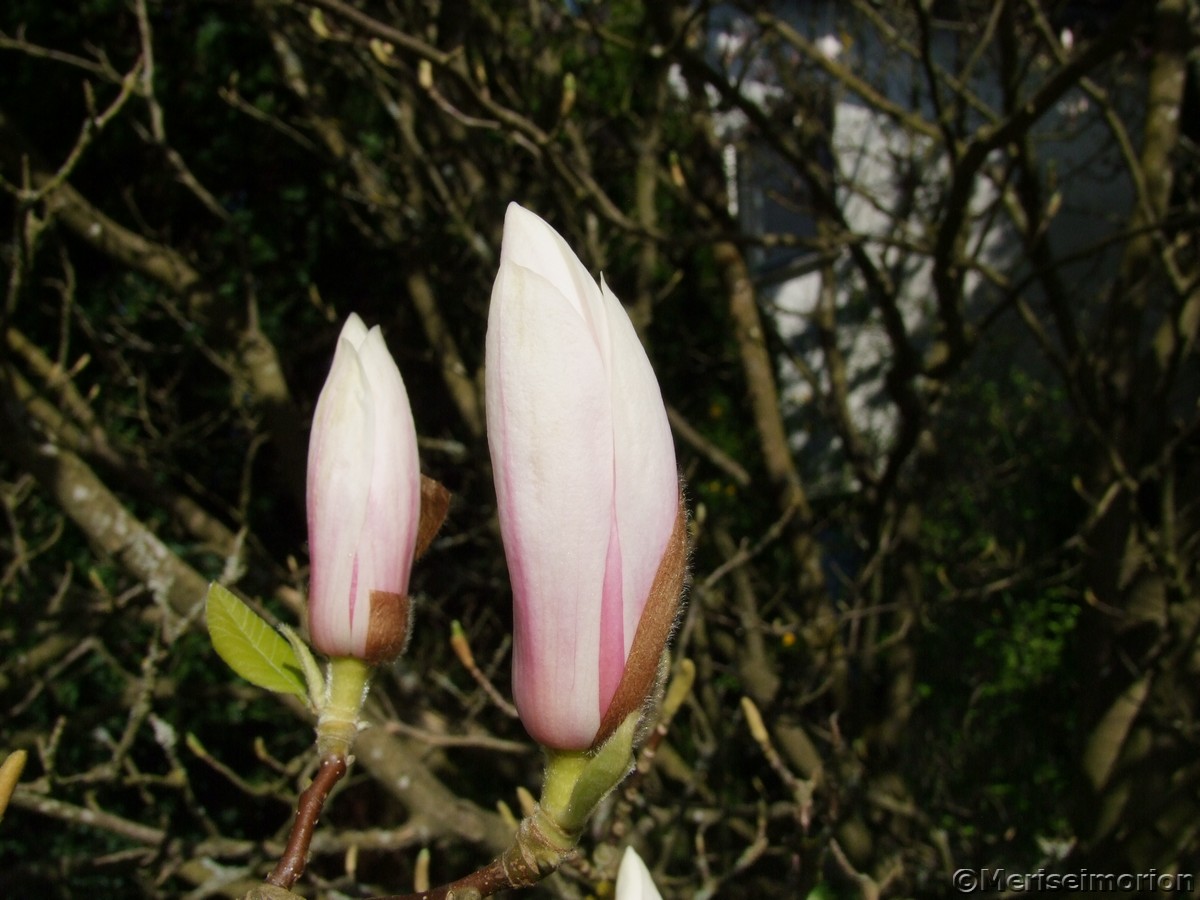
364, 497
590, 508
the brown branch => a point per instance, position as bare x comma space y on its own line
132, 474
759, 370
256, 359
519, 128
308, 811
57, 380
756, 666
746, 553
435, 810
1134, 289
462, 388
794, 149
81, 494
374, 185
539, 849
462, 649
844, 75
158, 262
839, 380
400, 38
473, 741
947, 264
691, 436
32, 799
93, 124
485, 882
27, 798
800, 789
678, 690
101, 69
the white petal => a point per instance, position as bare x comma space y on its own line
531, 243
633, 879
550, 432
354, 331
339, 473
395, 499
646, 479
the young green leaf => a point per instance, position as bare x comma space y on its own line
312, 672
250, 646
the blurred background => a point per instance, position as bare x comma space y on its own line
920, 281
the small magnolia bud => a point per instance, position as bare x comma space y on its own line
364, 497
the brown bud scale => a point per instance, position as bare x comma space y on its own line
387, 631
654, 628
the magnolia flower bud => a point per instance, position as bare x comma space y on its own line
590, 508
364, 495
633, 879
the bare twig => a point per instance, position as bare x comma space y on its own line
308, 811
462, 649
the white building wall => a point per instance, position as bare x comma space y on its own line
890, 183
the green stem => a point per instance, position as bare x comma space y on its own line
563, 768
346, 683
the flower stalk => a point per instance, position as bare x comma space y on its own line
346, 685
308, 810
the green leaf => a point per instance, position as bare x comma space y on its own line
312, 672
250, 646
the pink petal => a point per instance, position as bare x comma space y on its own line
394, 504
363, 491
646, 479
550, 432
340, 461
